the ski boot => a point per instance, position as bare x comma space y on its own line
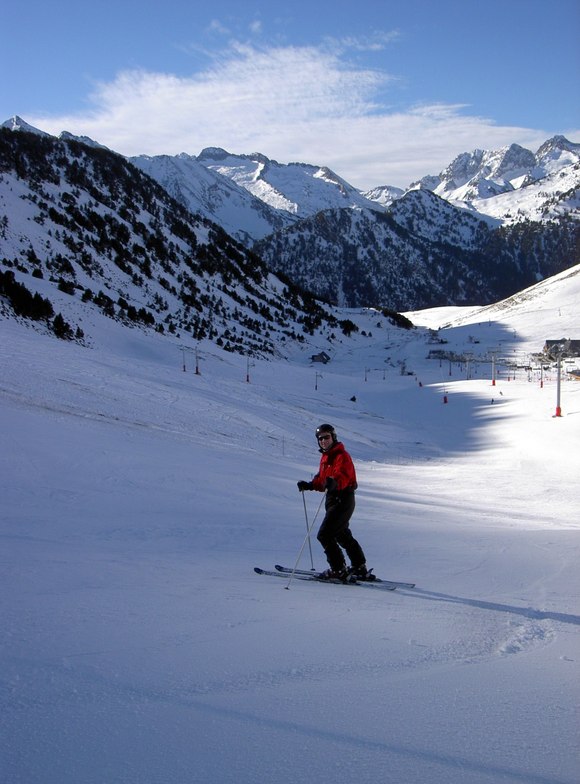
361, 573
335, 574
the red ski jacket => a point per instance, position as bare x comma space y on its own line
338, 464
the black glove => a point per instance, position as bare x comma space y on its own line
330, 485
302, 486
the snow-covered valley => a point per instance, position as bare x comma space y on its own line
138, 645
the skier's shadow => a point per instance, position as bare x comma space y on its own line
525, 612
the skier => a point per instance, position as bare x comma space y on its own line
337, 476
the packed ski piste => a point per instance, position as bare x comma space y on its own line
139, 646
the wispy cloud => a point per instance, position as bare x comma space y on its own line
375, 42
310, 104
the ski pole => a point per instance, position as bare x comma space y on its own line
307, 537
308, 531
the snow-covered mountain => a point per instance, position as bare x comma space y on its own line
556, 195
511, 187
298, 188
513, 183
423, 251
219, 198
85, 222
472, 174
16, 123
384, 195
388, 247
536, 186
250, 196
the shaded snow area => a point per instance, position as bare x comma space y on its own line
138, 645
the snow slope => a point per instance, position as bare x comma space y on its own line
218, 198
138, 646
300, 189
548, 198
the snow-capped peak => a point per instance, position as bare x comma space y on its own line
16, 123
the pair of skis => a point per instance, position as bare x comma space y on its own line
303, 574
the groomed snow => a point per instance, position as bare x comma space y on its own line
138, 645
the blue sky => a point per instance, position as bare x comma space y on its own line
381, 91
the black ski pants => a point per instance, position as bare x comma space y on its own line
335, 533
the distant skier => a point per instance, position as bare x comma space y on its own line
337, 476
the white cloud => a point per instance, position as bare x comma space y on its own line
376, 42
292, 104
216, 26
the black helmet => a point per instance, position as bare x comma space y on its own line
326, 429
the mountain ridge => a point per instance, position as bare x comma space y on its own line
396, 250
479, 174
85, 221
